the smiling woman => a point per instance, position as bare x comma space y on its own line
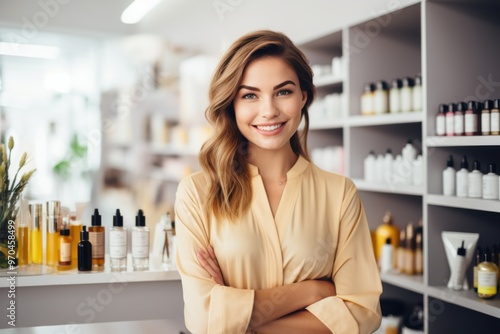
267, 241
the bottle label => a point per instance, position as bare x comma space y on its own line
440, 126
97, 241
450, 125
367, 104
118, 244
487, 283
462, 183
485, 123
65, 252
495, 122
475, 185
140, 244
470, 123
490, 187
458, 124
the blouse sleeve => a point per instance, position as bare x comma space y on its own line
356, 307
208, 307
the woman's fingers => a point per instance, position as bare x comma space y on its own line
209, 263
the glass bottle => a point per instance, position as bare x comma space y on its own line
65, 256
96, 238
381, 98
53, 222
459, 119
441, 120
395, 96
36, 233
417, 99
84, 251
487, 277
407, 95
473, 118
367, 99
495, 118
140, 243
118, 243
486, 117
75, 227
450, 119
23, 234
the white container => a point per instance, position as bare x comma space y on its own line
407, 95
462, 181
441, 120
388, 161
490, 182
381, 98
476, 181
417, 96
395, 96
449, 178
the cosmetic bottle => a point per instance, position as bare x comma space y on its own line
487, 273
387, 257
419, 254
449, 178
450, 119
379, 169
388, 161
417, 99
478, 256
495, 118
22, 225
96, 238
65, 256
84, 251
52, 241
367, 99
462, 178
75, 227
475, 181
369, 167
417, 170
387, 230
410, 250
459, 119
140, 243
401, 252
490, 183
381, 98
441, 120
36, 233
407, 95
473, 118
409, 153
118, 243
459, 267
486, 117
395, 96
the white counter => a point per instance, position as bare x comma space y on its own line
47, 297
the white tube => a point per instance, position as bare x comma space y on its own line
458, 264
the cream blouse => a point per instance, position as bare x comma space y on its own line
319, 230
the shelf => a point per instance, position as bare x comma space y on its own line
467, 299
444, 141
173, 150
328, 124
388, 188
465, 203
327, 80
384, 119
414, 283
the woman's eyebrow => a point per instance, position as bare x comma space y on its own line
284, 83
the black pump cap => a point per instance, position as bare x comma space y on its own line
84, 234
382, 85
476, 165
118, 218
473, 105
464, 163
140, 220
461, 106
488, 105
396, 83
450, 162
443, 108
96, 218
461, 250
452, 107
408, 82
492, 168
388, 241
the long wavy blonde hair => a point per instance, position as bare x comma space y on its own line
223, 157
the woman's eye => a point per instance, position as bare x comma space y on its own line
249, 96
284, 92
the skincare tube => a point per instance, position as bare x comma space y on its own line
453, 241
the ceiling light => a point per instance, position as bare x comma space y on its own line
29, 50
137, 10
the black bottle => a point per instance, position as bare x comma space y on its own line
84, 251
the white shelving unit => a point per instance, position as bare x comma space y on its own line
452, 44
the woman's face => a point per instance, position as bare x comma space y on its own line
268, 104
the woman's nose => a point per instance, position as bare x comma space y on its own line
268, 108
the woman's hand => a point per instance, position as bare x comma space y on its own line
209, 262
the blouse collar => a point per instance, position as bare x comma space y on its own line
298, 168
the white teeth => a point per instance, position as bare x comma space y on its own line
269, 127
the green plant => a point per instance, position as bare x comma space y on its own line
10, 193
76, 153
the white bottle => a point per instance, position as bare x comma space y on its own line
476, 181
387, 257
417, 100
369, 167
490, 181
418, 171
140, 243
449, 178
462, 181
388, 160
407, 95
398, 170
395, 96
379, 169
409, 153
118, 243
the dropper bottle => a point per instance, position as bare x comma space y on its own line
118, 243
140, 243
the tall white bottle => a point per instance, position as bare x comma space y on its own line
490, 181
388, 161
369, 167
409, 154
118, 243
140, 243
462, 182
449, 178
476, 181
